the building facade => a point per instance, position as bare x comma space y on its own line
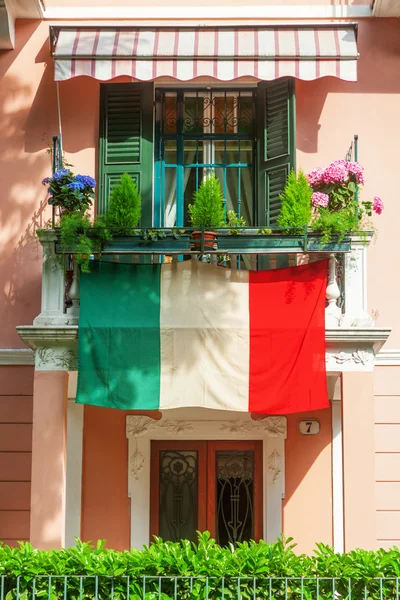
248, 92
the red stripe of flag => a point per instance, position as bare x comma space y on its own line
287, 339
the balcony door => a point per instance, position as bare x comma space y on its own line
206, 485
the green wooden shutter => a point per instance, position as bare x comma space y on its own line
126, 141
276, 144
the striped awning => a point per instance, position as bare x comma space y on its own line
224, 53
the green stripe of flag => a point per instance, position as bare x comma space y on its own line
119, 336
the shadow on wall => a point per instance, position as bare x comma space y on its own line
28, 112
377, 74
22, 166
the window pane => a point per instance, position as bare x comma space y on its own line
245, 114
224, 113
169, 197
170, 113
232, 113
235, 496
196, 113
246, 194
178, 495
193, 176
170, 152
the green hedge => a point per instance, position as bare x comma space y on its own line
187, 571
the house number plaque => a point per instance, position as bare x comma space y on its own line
310, 427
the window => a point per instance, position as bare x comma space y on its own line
200, 131
169, 140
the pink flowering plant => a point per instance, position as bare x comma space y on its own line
336, 208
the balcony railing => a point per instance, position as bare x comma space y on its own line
239, 240
351, 336
126, 587
345, 293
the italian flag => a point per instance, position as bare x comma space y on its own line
189, 334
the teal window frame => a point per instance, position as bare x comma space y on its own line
180, 136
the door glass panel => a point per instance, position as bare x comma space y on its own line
235, 496
178, 495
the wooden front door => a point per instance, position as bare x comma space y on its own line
206, 485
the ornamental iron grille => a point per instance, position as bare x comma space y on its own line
178, 495
235, 496
202, 131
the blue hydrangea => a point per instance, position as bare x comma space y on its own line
46, 180
76, 186
86, 180
60, 174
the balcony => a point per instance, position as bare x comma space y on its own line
351, 336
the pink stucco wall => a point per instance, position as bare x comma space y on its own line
307, 507
387, 457
16, 385
329, 112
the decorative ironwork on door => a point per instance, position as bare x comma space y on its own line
235, 496
199, 485
178, 494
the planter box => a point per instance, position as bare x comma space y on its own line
314, 244
277, 243
136, 244
259, 243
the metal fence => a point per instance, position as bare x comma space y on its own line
121, 587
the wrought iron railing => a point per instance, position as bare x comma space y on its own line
126, 587
242, 240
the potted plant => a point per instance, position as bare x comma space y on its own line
70, 192
337, 210
243, 239
295, 213
72, 195
122, 219
207, 211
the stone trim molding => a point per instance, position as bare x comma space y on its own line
388, 358
139, 426
347, 348
353, 349
16, 356
173, 12
141, 429
55, 348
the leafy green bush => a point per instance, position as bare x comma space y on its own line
186, 571
125, 206
295, 211
234, 222
78, 234
336, 224
207, 209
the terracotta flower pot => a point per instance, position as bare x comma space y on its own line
209, 239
